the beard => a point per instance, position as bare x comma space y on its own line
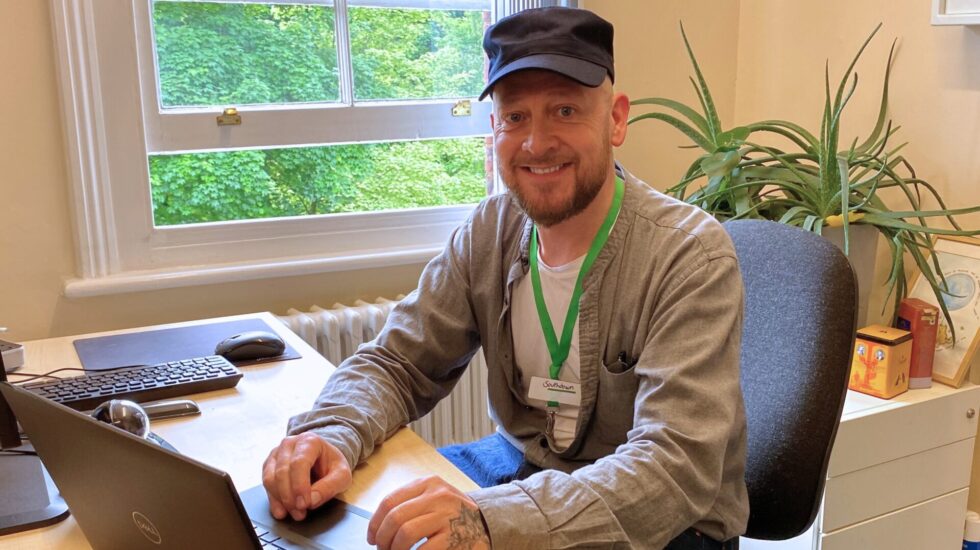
588, 182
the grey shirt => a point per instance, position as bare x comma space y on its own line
660, 442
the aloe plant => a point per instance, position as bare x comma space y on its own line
811, 182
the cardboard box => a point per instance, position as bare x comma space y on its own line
880, 366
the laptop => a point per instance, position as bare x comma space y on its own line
126, 492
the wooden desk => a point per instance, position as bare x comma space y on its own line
238, 427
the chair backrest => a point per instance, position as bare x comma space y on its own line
797, 341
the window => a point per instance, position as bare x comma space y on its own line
272, 57
215, 140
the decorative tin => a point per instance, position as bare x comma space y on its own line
880, 366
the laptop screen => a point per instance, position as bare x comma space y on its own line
126, 492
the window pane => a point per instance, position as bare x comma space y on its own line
238, 185
414, 53
223, 53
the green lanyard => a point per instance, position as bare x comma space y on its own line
559, 349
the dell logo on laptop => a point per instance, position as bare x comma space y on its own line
147, 528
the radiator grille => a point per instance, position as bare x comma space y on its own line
337, 332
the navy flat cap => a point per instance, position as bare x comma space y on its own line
572, 42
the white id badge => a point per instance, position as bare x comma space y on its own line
546, 389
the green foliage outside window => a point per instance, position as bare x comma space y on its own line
221, 54
413, 53
239, 54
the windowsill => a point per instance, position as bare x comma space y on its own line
159, 279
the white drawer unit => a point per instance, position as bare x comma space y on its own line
899, 474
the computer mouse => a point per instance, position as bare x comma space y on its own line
256, 344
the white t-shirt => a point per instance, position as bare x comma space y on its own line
530, 350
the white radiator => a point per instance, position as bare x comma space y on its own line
337, 332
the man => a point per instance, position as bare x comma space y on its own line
610, 316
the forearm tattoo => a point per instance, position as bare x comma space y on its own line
467, 531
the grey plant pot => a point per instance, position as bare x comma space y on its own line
870, 258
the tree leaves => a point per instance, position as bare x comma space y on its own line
220, 54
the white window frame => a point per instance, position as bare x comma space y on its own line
101, 45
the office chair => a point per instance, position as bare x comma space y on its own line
797, 339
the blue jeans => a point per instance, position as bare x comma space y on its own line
490, 461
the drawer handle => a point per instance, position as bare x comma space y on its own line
970, 413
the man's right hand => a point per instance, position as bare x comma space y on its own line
302, 473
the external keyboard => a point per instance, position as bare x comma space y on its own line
140, 384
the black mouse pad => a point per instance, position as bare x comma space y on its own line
169, 344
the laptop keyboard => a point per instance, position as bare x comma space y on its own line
268, 539
140, 384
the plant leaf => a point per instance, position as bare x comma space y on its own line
883, 108
709, 105
875, 219
927, 272
732, 138
721, 163
929, 213
679, 124
688, 112
803, 139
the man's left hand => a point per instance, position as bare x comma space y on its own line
428, 508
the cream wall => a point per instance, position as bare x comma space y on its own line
934, 97
935, 87
778, 48
651, 62
934, 94
36, 233
36, 243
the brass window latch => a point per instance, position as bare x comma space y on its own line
462, 108
229, 117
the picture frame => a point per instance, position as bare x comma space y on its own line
955, 12
959, 258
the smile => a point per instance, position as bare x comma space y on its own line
545, 170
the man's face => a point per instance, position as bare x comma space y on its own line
553, 140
